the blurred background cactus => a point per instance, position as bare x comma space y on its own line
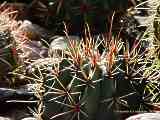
7, 56
75, 14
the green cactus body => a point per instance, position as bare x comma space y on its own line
92, 92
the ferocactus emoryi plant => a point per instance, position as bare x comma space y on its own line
92, 77
88, 78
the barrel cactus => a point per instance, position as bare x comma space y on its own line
92, 78
87, 78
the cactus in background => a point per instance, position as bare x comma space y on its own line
153, 86
157, 30
20, 42
75, 14
152, 68
7, 52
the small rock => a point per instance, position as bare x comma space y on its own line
34, 31
29, 118
33, 50
60, 43
5, 118
145, 116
